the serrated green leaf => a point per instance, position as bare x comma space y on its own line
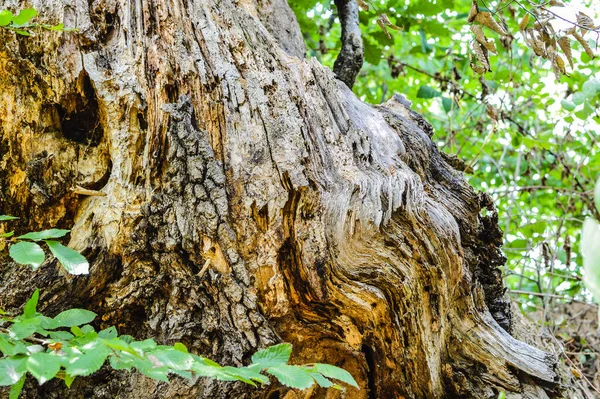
72, 261
44, 235
61, 335
43, 366
11, 370
292, 376
24, 328
108, 333
322, 381
335, 372
16, 389
144, 345
428, 92
31, 305
27, 253
89, 362
74, 317
24, 16
5, 19
6, 217
6, 347
272, 356
171, 358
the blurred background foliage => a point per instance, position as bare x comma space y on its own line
528, 139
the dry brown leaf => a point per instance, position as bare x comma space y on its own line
363, 5
473, 11
586, 21
560, 64
556, 3
536, 44
524, 22
481, 55
492, 112
477, 68
480, 37
486, 19
382, 24
565, 46
584, 44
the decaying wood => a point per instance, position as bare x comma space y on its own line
323, 221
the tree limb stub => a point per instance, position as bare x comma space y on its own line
350, 60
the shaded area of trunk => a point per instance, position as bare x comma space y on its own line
327, 223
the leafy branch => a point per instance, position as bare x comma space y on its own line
22, 25
67, 346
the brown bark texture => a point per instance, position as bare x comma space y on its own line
328, 223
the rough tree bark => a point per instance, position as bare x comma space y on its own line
329, 223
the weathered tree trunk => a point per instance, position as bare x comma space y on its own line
328, 223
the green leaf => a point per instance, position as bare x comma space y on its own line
428, 92
31, 305
6, 217
172, 358
568, 105
24, 16
180, 347
448, 105
44, 235
11, 370
61, 335
89, 362
74, 317
22, 32
292, 376
322, 381
16, 389
336, 373
7, 235
597, 194
68, 380
108, 333
5, 18
24, 328
27, 253
73, 261
591, 87
578, 98
43, 366
590, 250
273, 356
57, 27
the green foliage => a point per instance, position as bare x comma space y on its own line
590, 248
22, 25
531, 142
25, 252
67, 346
